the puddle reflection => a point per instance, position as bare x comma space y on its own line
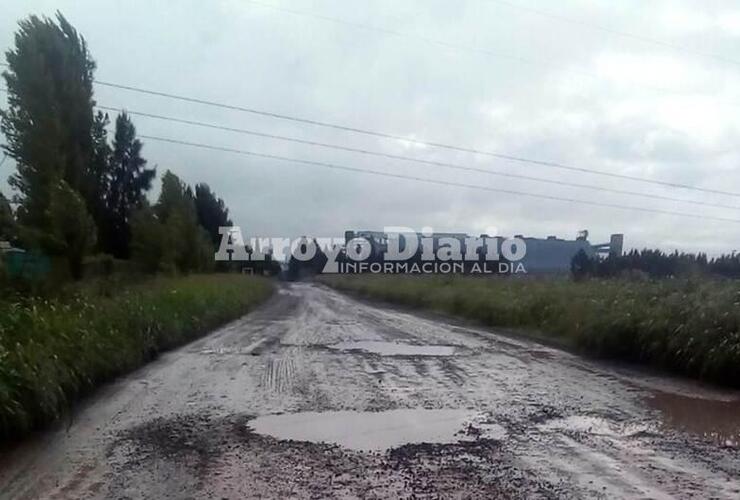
717, 421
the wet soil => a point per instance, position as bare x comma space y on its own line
317, 395
377, 431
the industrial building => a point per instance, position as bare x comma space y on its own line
543, 255
554, 255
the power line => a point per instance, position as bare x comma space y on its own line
384, 135
612, 31
429, 181
411, 158
421, 179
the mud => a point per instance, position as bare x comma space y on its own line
713, 420
376, 431
224, 457
269, 406
395, 348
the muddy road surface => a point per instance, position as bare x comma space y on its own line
317, 395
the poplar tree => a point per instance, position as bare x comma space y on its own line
7, 220
49, 118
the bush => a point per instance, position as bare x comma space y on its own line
72, 228
52, 351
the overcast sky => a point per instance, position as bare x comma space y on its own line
505, 79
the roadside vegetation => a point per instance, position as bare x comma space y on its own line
656, 264
96, 276
688, 326
54, 350
78, 194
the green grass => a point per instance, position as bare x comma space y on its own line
689, 326
54, 350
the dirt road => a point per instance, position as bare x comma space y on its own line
318, 395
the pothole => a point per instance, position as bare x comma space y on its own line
395, 348
717, 421
597, 426
376, 431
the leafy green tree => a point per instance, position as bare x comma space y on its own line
72, 227
176, 197
167, 237
175, 208
49, 118
150, 247
212, 212
7, 220
130, 179
98, 175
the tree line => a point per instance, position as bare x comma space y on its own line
655, 264
78, 192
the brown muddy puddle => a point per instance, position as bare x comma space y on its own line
394, 348
715, 420
377, 431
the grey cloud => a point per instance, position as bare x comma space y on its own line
550, 107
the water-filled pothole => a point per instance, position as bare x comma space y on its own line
714, 420
395, 348
375, 431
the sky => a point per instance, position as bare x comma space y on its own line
633, 88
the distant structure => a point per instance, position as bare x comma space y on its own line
554, 255
544, 255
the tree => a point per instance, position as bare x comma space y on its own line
98, 174
212, 212
167, 237
149, 242
175, 199
176, 209
49, 118
72, 227
130, 179
7, 220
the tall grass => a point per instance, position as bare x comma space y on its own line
53, 350
687, 326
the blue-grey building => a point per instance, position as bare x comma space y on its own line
543, 255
